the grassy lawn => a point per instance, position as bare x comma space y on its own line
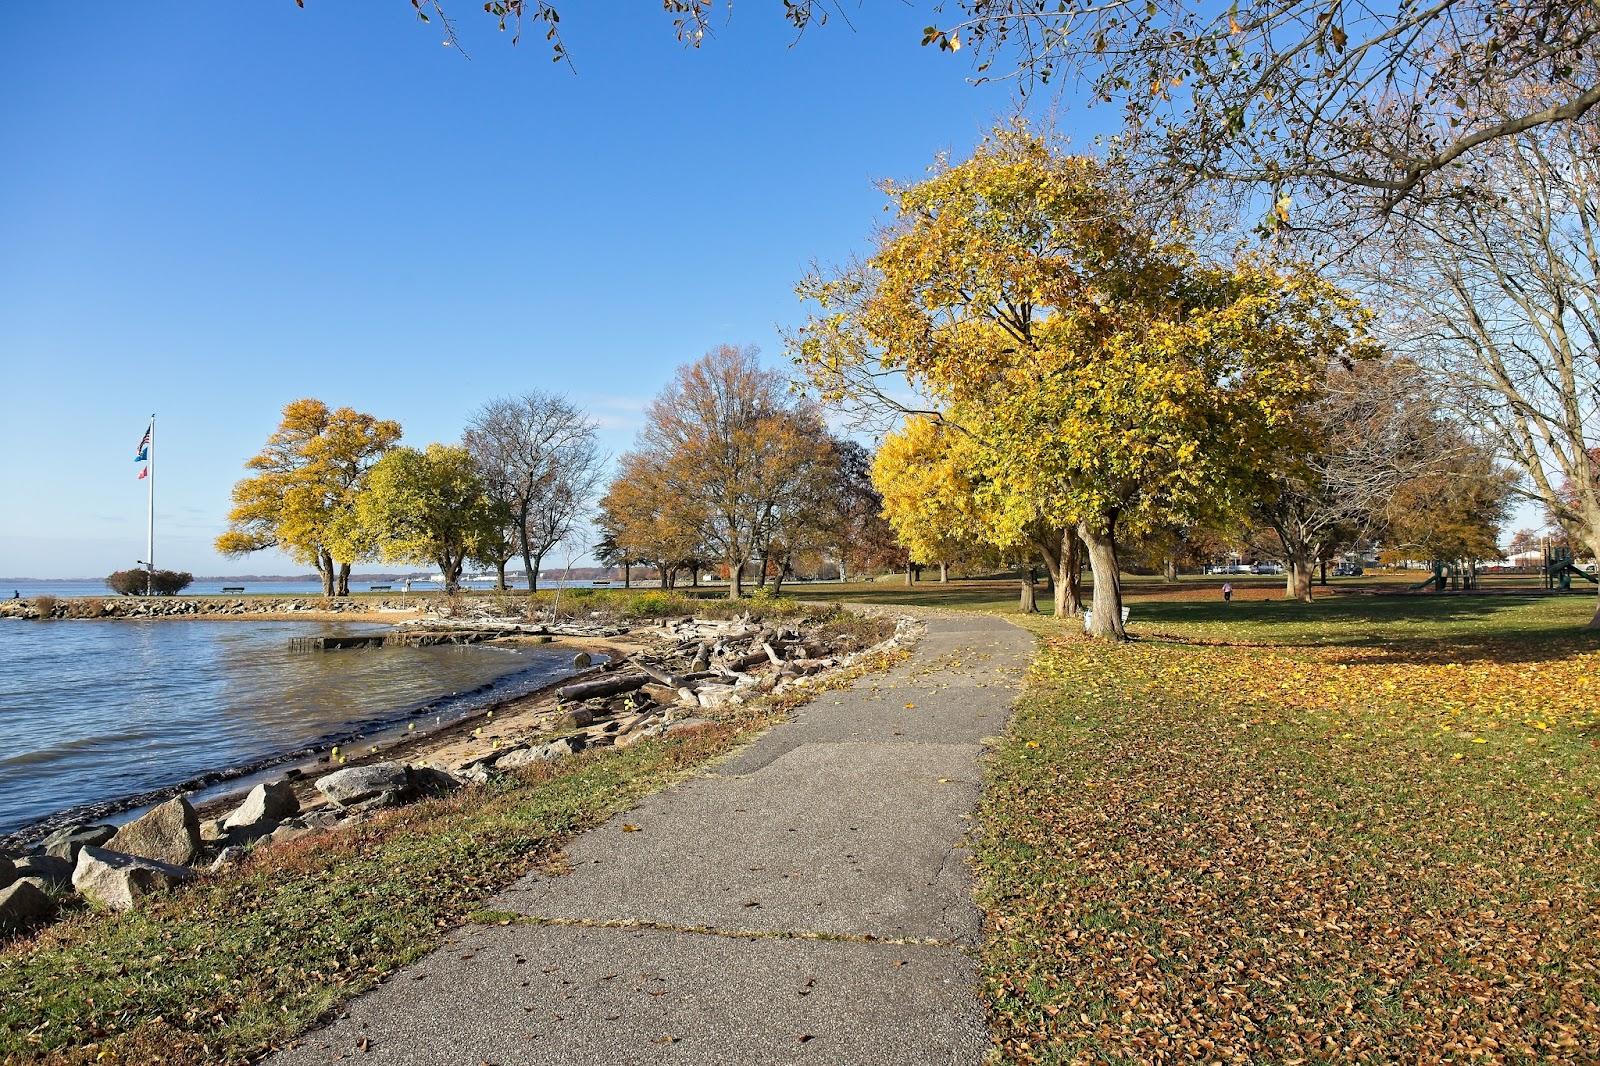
1354, 831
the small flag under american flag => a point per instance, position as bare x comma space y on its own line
144, 473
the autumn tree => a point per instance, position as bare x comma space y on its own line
428, 506
863, 540
1454, 512
731, 447
307, 481
1497, 292
1373, 426
645, 518
540, 458
1111, 381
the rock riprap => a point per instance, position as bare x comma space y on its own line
46, 869
168, 832
118, 881
267, 804
377, 784
22, 904
66, 843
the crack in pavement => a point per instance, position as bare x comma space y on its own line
804, 901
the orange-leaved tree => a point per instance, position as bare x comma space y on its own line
306, 482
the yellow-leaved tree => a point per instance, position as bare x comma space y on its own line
1109, 380
304, 489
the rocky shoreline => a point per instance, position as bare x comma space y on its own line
682, 674
386, 608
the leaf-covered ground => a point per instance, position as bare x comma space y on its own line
1356, 831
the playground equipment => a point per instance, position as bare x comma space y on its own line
1559, 569
1449, 575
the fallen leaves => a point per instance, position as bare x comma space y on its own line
1337, 851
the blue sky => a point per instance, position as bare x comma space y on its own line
209, 216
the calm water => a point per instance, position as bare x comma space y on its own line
91, 712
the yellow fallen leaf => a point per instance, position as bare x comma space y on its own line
629, 827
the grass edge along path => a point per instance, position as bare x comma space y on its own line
238, 964
1263, 852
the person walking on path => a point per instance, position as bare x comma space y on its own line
1227, 592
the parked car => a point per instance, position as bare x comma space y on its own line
1266, 568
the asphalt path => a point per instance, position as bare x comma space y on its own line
806, 900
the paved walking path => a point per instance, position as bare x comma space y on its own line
806, 900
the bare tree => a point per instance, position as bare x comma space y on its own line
1353, 105
540, 457
731, 445
1498, 292
1371, 429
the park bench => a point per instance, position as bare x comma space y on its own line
379, 588
232, 588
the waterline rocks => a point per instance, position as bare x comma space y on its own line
118, 881
377, 784
66, 843
267, 804
168, 833
8, 871
46, 869
23, 904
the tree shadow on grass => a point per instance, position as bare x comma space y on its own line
1394, 629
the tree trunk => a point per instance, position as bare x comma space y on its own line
1029, 603
1069, 592
1105, 618
325, 572
908, 575
761, 576
500, 575
842, 577
533, 570
777, 576
1594, 623
1323, 576
627, 573
735, 580
944, 573
1169, 568
343, 587
694, 576
528, 566
1297, 585
661, 574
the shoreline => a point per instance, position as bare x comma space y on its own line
304, 762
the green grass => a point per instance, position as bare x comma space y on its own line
239, 963
1359, 830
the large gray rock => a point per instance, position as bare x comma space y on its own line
432, 780
47, 868
267, 804
169, 832
8, 871
118, 881
383, 782
517, 757
23, 904
66, 843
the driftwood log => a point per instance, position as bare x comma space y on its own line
603, 686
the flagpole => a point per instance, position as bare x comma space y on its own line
150, 516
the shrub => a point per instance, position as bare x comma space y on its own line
44, 606
161, 582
